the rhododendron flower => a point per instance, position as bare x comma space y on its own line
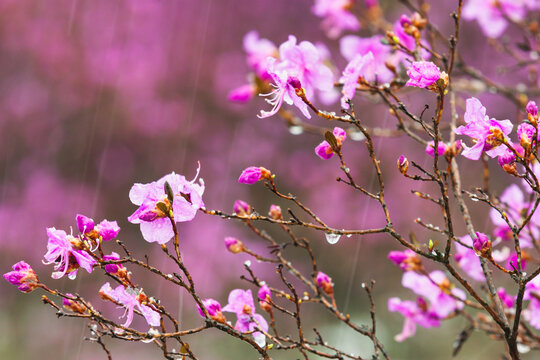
532, 111
242, 94
336, 16
352, 45
407, 260
265, 296
423, 74
130, 298
436, 289
84, 223
468, 260
214, 310
241, 303
407, 41
68, 259
252, 174
112, 268
108, 230
324, 150
482, 244
258, 51
324, 282
430, 148
415, 313
488, 134
285, 87
525, 134
491, 14
22, 276
355, 69
152, 199
507, 300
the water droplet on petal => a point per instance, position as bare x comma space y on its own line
332, 238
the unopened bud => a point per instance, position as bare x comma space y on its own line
482, 245
234, 245
73, 305
324, 282
275, 212
241, 208
403, 164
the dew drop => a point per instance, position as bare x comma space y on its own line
332, 238
296, 130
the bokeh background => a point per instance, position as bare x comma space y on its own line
96, 95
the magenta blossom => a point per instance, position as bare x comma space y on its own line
352, 45
241, 208
258, 51
108, 230
112, 268
67, 258
355, 69
242, 94
491, 15
152, 199
407, 260
532, 110
252, 174
507, 300
214, 310
337, 17
130, 298
84, 223
324, 282
488, 134
265, 296
525, 134
22, 276
241, 303
468, 260
436, 288
324, 150
423, 74
441, 148
234, 245
415, 313
481, 244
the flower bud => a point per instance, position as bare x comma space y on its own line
407, 260
234, 245
73, 306
241, 208
430, 148
214, 310
22, 276
108, 230
482, 245
113, 268
532, 112
265, 296
324, 282
403, 164
84, 223
275, 212
253, 174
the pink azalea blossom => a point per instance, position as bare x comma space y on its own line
241, 303
258, 50
441, 148
22, 276
352, 45
423, 74
84, 223
487, 133
415, 313
155, 224
130, 298
214, 310
507, 300
355, 69
65, 256
265, 296
337, 17
481, 244
112, 268
324, 150
407, 260
532, 109
436, 289
242, 94
108, 230
532, 293
491, 14
324, 282
468, 260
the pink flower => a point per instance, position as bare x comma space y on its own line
423, 74
532, 109
430, 148
242, 94
67, 258
415, 313
112, 268
525, 134
265, 296
241, 303
355, 69
241, 208
108, 230
234, 245
507, 300
352, 45
130, 298
22, 276
258, 51
407, 260
84, 223
324, 150
152, 199
481, 244
468, 260
336, 16
214, 310
436, 289
487, 133
324, 282
252, 174
491, 14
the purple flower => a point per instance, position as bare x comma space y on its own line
265, 296
430, 148
487, 133
242, 94
241, 208
491, 14
407, 260
324, 282
415, 313
324, 150
130, 298
352, 45
507, 300
355, 69
234, 245
468, 260
85, 224
22, 276
61, 251
482, 244
532, 112
423, 74
252, 174
511, 262
258, 50
525, 134
151, 199
436, 288
336, 16
108, 230
214, 310
112, 268
241, 303
403, 164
